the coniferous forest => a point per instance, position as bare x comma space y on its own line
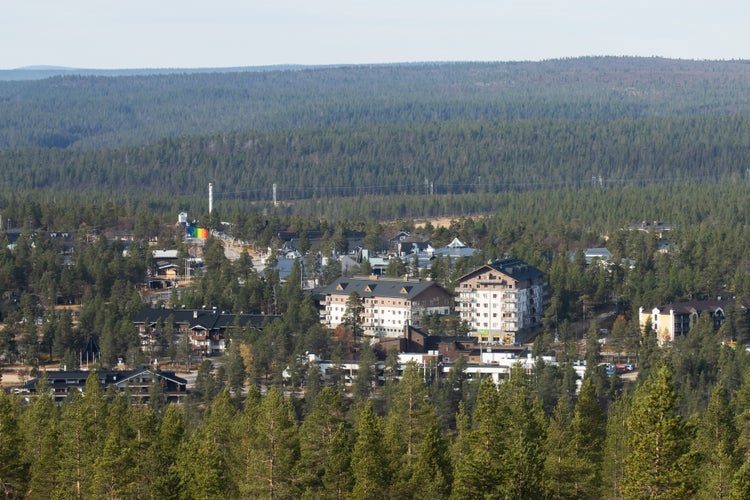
537, 161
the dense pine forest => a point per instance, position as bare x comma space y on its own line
378, 130
538, 161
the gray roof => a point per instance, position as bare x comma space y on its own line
455, 252
698, 306
379, 287
514, 268
61, 379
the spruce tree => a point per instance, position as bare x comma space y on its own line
203, 461
366, 373
13, 468
714, 447
317, 434
113, 470
559, 460
460, 452
409, 417
659, 465
40, 439
369, 466
588, 429
523, 459
432, 474
337, 474
163, 451
82, 435
275, 449
615, 448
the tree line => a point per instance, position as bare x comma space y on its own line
394, 442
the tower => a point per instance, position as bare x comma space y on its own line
210, 197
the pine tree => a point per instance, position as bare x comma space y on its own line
353, 313
337, 474
410, 416
740, 488
317, 434
460, 449
144, 425
560, 453
659, 465
432, 475
275, 449
714, 446
479, 466
82, 431
523, 459
369, 466
203, 460
13, 469
366, 373
163, 451
615, 448
113, 470
588, 430
40, 439
313, 387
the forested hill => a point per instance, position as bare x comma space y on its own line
420, 128
90, 112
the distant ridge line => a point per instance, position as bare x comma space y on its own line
39, 72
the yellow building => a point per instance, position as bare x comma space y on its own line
674, 320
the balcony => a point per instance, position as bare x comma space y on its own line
493, 283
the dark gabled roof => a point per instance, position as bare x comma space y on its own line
379, 287
169, 375
698, 306
209, 319
432, 343
59, 380
76, 378
515, 269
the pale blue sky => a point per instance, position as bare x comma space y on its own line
222, 33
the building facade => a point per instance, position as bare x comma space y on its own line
138, 383
388, 304
205, 330
675, 320
502, 301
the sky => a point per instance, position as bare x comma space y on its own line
101, 34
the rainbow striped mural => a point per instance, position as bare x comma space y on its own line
197, 232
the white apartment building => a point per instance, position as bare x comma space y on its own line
389, 304
502, 301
